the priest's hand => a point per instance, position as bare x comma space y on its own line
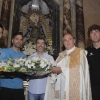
56, 70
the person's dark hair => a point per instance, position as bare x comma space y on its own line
17, 33
93, 27
1, 26
41, 38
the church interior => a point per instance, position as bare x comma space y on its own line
49, 19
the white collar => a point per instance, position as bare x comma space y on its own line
69, 51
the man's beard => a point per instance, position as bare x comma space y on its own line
2, 42
40, 49
17, 46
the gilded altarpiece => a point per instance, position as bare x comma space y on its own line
50, 23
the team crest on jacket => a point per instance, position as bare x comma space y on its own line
91, 54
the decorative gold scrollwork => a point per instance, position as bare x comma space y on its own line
35, 16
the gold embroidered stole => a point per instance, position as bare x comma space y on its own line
74, 74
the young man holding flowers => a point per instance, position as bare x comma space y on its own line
37, 87
12, 89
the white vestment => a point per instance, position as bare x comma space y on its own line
74, 81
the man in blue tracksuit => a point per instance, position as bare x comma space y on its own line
12, 89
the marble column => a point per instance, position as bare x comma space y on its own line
67, 16
80, 31
11, 22
73, 17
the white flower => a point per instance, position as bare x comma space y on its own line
26, 64
2, 64
34, 59
29, 48
16, 65
43, 65
28, 61
9, 62
31, 65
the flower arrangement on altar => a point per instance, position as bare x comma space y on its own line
25, 65
30, 48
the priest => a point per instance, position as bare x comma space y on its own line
71, 81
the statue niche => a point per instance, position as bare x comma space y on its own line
36, 25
